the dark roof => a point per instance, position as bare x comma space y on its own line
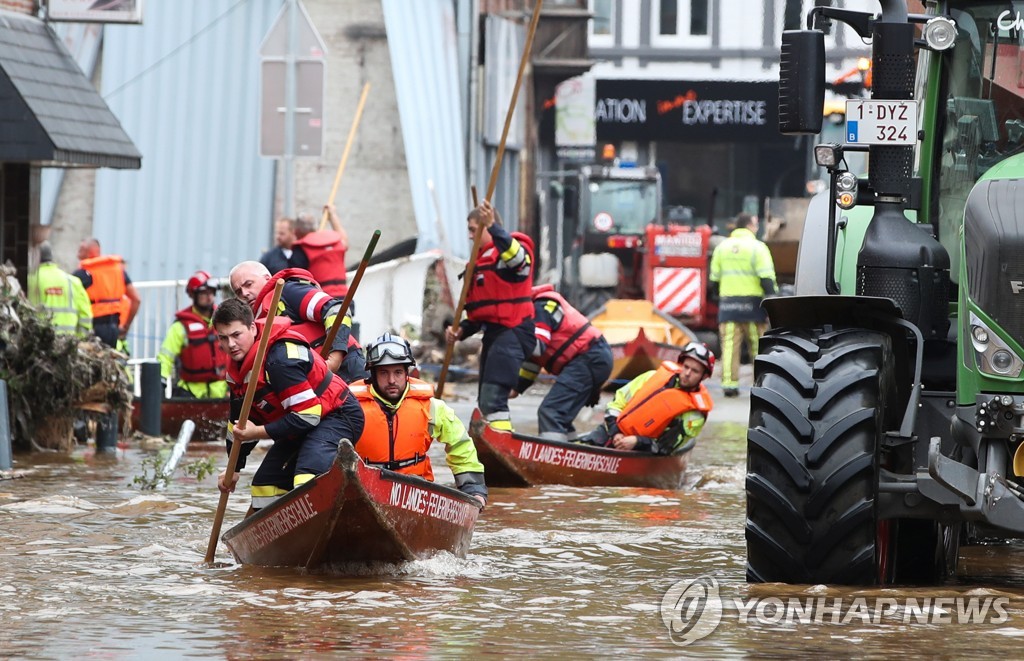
49, 111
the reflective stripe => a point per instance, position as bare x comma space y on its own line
302, 478
264, 495
298, 398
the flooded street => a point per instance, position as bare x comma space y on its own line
93, 567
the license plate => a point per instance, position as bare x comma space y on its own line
877, 122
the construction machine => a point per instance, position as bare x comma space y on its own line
887, 411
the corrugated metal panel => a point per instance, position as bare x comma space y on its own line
423, 45
185, 87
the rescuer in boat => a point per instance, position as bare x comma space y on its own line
660, 410
500, 301
191, 342
571, 349
299, 403
323, 251
403, 417
311, 310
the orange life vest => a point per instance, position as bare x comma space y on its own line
326, 252
572, 337
492, 299
658, 402
397, 442
267, 406
106, 293
202, 359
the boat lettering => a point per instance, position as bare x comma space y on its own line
589, 461
431, 504
277, 525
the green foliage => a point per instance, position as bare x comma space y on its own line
152, 467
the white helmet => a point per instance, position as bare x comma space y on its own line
389, 349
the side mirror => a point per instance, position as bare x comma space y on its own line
802, 82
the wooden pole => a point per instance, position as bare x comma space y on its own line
491, 185
325, 350
243, 418
344, 154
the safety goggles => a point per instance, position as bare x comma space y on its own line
698, 351
395, 350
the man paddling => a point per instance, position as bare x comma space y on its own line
660, 410
403, 417
311, 310
299, 403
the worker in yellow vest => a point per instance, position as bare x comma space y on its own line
743, 273
62, 294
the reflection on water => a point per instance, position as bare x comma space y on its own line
90, 563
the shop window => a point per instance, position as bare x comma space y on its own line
681, 23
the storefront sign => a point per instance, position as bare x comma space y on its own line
687, 111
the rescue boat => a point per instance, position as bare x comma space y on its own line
356, 513
512, 459
640, 335
209, 415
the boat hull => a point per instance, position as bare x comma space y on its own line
356, 514
209, 415
517, 460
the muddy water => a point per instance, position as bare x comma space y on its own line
94, 567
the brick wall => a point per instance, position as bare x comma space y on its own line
20, 6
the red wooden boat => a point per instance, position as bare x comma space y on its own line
356, 513
209, 415
640, 335
633, 358
512, 459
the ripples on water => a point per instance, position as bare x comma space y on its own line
93, 567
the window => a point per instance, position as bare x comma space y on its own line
681, 23
601, 25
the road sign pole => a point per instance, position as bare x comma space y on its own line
289, 116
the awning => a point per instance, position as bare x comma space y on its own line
50, 113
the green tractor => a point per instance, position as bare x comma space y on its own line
887, 413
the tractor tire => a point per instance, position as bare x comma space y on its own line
817, 415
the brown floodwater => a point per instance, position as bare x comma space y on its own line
94, 567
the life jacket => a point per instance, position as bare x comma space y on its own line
494, 300
326, 252
397, 442
202, 359
658, 402
106, 293
572, 337
313, 332
267, 406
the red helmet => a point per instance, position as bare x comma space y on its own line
200, 280
702, 354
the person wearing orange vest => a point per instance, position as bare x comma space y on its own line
304, 407
111, 292
311, 310
500, 300
191, 348
403, 417
571, 349
322, 252
660, 410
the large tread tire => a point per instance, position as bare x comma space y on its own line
817, 414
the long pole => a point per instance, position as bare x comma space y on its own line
243, 418
325, 350
344, 154
491, 185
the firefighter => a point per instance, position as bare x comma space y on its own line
62, 294
191, 342
403, 417
571, 349
111, 292
322, 252
500, 301
299, 403
742, 274
311, 310
660, 410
